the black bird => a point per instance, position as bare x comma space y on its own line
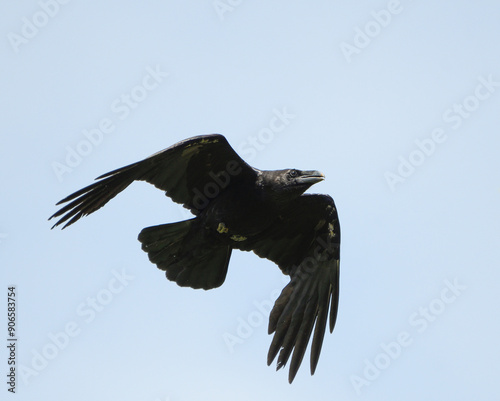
237, 207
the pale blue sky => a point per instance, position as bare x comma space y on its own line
397, 102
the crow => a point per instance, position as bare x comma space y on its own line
237, 206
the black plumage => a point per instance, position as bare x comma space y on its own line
240, 207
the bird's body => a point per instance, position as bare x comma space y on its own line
238, 207
243, 213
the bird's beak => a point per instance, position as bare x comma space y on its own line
310, 177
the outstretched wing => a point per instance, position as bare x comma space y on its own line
190, 172
306, 245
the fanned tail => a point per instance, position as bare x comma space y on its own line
186, 257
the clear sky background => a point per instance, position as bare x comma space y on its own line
396, 102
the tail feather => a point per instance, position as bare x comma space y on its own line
185, 256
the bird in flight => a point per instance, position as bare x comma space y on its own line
237, 206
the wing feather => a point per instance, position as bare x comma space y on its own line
183, 171
305, 244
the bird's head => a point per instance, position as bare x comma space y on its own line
285, 185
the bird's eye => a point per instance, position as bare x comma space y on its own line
293, 173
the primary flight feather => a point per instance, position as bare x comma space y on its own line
240, 207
